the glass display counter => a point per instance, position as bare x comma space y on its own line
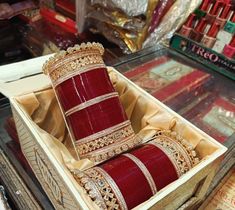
203, 97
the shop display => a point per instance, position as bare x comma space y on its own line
44, 29
80, 134
66, 8
8, 11
208, 102
210, 106
42, 37
30, 16
208, 36
63, 22
171, 22
37, 43
136, 26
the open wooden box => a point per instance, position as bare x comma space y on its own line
46, 155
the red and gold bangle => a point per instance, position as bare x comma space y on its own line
94, 116
134, 177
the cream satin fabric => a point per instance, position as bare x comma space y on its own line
145, 115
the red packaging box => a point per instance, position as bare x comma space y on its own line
170, 81
59, 20
215, 115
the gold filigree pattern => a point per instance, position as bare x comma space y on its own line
79, 58
109, 137
90, 186
114, 149
101, 188
103, 132
179, 151
71, 51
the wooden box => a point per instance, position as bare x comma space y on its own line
64, 192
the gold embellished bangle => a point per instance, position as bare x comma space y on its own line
115, 189
91, 187
70, 51
111, 139
102, 189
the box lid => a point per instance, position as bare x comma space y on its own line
23, 77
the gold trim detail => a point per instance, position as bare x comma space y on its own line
114, 187
75, 58
91, 187
84, 47
179, 151
103, 132
101, 188
114, 149
108, 143
168, 152
90, 103
144, 170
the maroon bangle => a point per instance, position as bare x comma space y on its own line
132, 178
91, 107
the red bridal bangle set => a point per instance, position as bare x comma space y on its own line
132, 178
100, 130
94, 115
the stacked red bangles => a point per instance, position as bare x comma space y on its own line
132, 178
94, 115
